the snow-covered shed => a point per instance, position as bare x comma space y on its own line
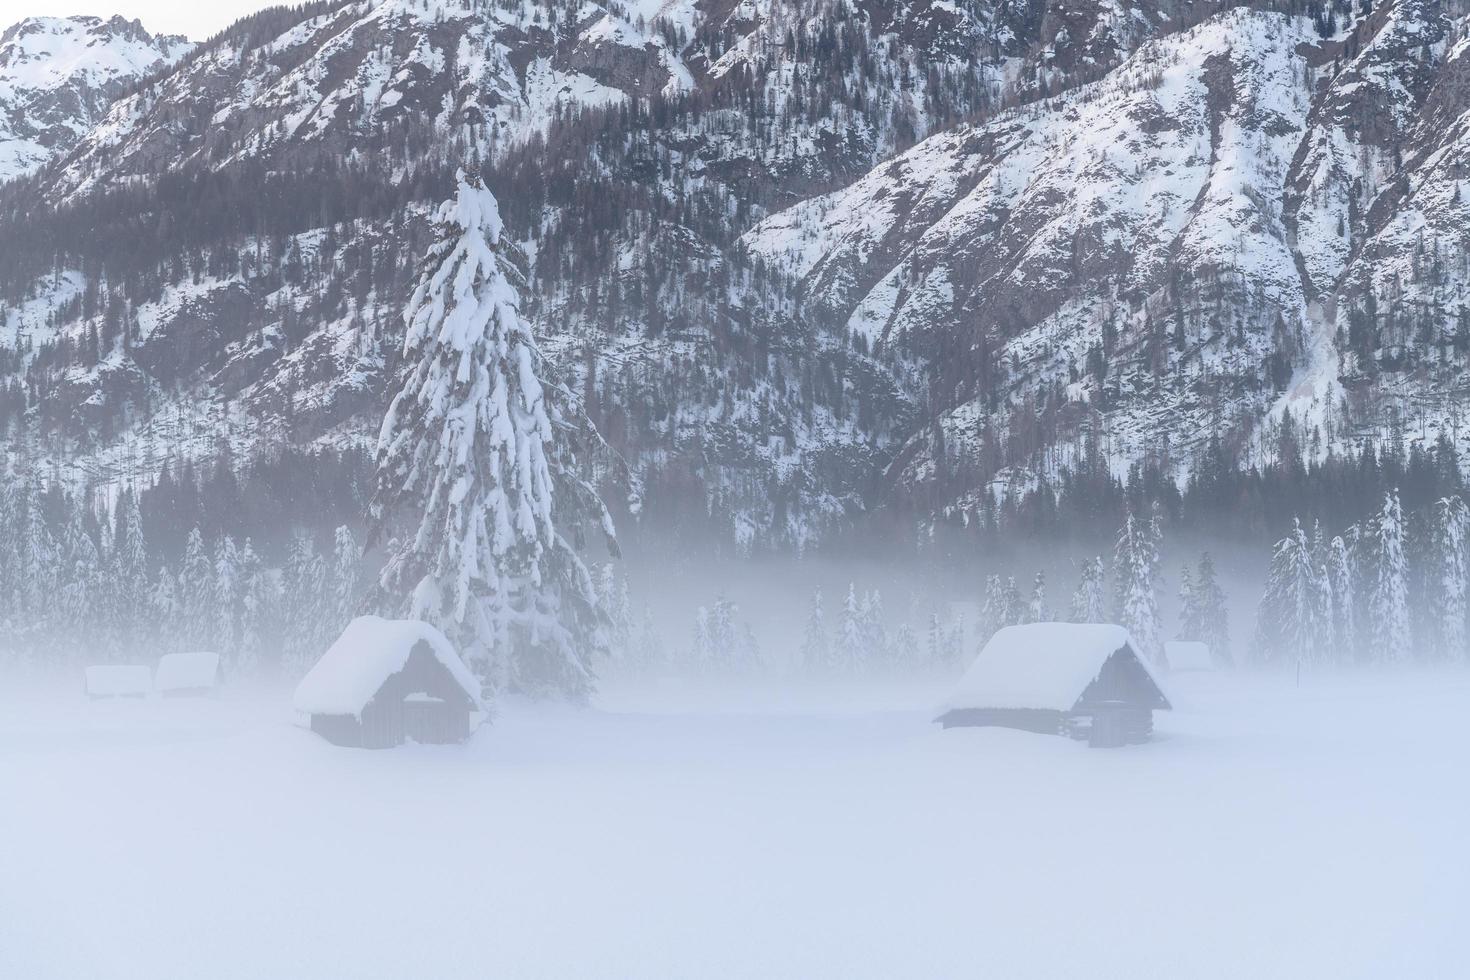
1080, 679
183, 675
1188, 655
118, 681
386, 681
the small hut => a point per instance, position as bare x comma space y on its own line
186, 675
386, 681
1076, 679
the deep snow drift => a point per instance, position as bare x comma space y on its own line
1268, 831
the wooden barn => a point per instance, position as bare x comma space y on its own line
1076, 679
388, 681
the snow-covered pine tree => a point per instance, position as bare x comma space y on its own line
724, 651
343, 579
1342, 584
255, 609
477, 466
994, 616
847, 652
1390, 600
1037, 610
701, 650
1135, 560
163, 610
81, 583
874, 631
1286, 624
1089, 602
225, 632
1188, 615
1447, 579
196, 593
38, 559
934, 642
130, 573
305, 636
814, 653
1014, 608
1210, 619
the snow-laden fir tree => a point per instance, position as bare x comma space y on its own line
303, 614
164, 609
995, 614
724, 649
1206, 616
701, 649
226, 605
1447, 579
81, 599
38, 559
1037, 610
1288, 622
874, 631
254, 609
1390, 600
1135, 564
848, 651
131, 571
478, 480
935, 648
196, 593
814, 653
1089, 602
1342, 584
344, 579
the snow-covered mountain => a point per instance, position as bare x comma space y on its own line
58, 75
801, 259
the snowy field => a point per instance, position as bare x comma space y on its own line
1268, 831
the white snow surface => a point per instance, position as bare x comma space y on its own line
186, 671
1038, 665
1268, 831
1188, 655
369, 651
118, 680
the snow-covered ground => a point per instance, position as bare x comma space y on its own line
1268, 831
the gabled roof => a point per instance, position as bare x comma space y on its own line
369, 651
1045, 666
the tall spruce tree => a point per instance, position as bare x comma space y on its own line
814, 652
1287, 623
478, 480
196, 593
1089, 602
1342, 585
1135, 563
1447, 579
1391, 631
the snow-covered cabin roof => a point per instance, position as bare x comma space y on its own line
1040, 665
369, 651
1188, 655
118, 680
186, 671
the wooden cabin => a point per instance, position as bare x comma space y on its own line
1078, 679
388, 681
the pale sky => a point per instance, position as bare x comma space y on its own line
195, 19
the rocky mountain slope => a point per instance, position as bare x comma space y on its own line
802, 259
59, 75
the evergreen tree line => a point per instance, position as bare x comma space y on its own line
85, 584
1387, 590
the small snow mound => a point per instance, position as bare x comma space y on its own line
118, 681
186, 672
369, 651
1039, 665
